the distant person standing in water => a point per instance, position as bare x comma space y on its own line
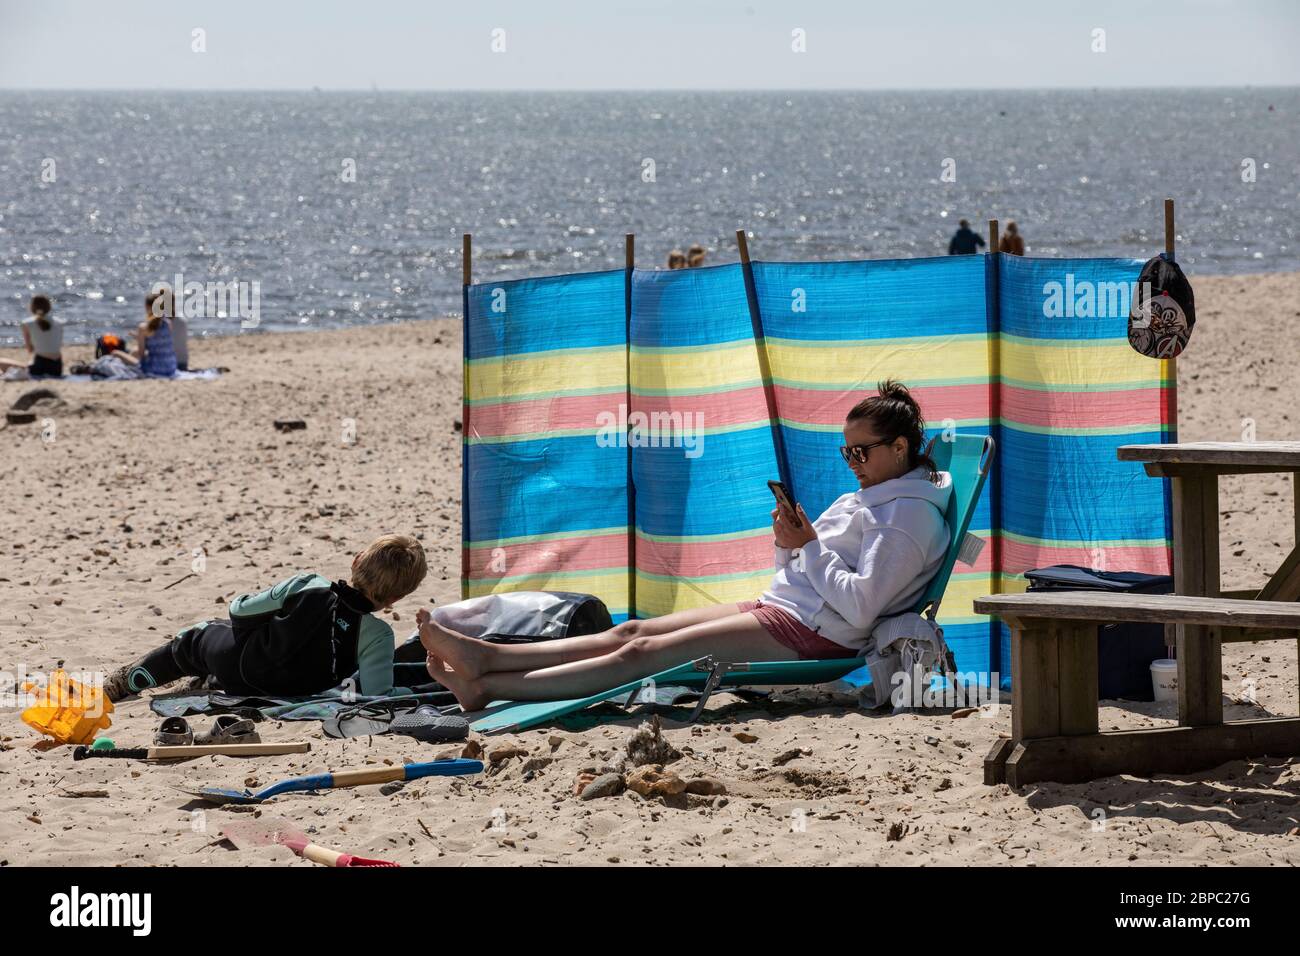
1012, 242
965, 241
695, 256
677, 259
43, 338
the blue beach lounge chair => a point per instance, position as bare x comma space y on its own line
967, 458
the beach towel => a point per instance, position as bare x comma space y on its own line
316, 707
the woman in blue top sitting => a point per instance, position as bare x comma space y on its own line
153, 339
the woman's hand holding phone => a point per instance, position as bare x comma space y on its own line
787, 533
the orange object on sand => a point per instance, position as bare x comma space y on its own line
67, 710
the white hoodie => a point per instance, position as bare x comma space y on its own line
876, 550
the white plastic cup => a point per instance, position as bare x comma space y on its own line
1164, 679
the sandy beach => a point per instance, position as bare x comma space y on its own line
108, 503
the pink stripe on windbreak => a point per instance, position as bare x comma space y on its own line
549, 557
1127, 408
821, 407
1018, 557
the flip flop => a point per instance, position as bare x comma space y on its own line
174, 732
426, 724
230, 729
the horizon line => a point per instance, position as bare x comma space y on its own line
717, 89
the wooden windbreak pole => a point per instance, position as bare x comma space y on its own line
993, 305
629, 260
1171, 420
466, 274
1171, 408
764, 365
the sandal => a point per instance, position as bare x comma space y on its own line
426, 724
230, 729
174, 732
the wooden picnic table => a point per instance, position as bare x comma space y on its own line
1194, 469
1055, 733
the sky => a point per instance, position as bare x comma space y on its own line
630, 44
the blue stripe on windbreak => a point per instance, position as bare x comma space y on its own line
690, 307
875, 299
517, 316
1073, 487
1048, 298
722, 491
545, 486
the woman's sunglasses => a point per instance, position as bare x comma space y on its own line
858, 453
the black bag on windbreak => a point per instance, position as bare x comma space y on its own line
1163, 311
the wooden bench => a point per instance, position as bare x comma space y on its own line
1054, 730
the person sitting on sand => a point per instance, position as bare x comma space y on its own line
677, 259
302, 636
869, 555
1012, 243
695, 256
154, 348
43, 338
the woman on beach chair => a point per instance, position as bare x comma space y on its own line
869, 555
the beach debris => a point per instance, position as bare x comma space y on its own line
389, 789
647, 745
21, 411
961, 712
534, 764
289, 424
179, 580
456, 424
783, 758
606, 785
472, 750
706, 786
498, 755
932, 741
745, 738
896, 832
653, 780
81, 794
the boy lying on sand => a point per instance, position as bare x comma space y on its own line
302, 636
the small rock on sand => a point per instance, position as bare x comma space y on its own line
706, 786
653, 780
498, 754
745, 738
606, 785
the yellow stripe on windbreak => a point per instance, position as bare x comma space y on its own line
1098, 362
916, 361
543, 374
609, 587
707, 368
656, 596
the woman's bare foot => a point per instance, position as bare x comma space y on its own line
463, 654
462, 687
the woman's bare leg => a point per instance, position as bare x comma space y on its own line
481, 657
737, 636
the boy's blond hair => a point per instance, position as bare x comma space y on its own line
389, 569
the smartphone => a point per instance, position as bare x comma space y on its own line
782, 495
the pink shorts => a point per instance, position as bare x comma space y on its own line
794, 634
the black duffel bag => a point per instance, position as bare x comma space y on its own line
1125, 650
